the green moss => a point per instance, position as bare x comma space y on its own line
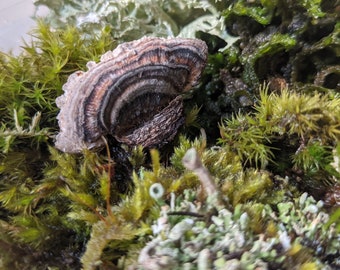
274, 144
307, 124
260, 13
31, 82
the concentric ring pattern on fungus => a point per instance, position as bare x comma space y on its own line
133, 93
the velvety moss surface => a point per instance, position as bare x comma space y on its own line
264, 124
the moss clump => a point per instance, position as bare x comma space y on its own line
276, 146
303, 118
291, 133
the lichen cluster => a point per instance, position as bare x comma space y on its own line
132, 19
291, 238
264, 122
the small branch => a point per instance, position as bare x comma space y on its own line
191, 161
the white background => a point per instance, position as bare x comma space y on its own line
15, 22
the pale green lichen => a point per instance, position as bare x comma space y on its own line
225, 239
132, 19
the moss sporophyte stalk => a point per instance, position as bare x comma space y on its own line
250, 181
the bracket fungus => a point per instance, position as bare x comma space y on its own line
133, 93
